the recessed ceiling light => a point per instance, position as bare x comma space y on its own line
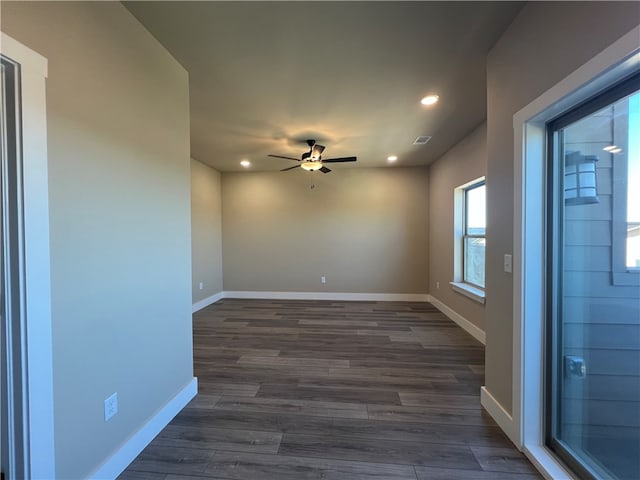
429, 100
245, 163
392, 158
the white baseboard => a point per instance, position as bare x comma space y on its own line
128, 451
376, 297
205, 302
469, 327
499, 414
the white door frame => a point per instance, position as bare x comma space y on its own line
608, 67
37, 359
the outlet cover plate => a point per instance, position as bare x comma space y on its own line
110, 407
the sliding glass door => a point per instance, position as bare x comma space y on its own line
12, 451
4, 412
593, 285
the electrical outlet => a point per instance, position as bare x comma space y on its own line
110, 407
438, 285
323, 279
201, 285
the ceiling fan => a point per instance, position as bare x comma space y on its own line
312, 160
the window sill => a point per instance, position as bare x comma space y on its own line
467, 290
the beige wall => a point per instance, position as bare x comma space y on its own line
366, 230
206, 231
118, 147
463, 163
545, 43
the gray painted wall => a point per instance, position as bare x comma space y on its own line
545, 43
463, 163
366, 230
206, 230
118, 144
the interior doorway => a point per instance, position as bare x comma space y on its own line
12, 389
25, 281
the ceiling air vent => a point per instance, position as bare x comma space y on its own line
422, 140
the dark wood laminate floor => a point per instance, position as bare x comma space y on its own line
293, 390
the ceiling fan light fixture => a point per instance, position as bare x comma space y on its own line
311, 165
312, 160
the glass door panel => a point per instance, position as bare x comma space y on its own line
593, 327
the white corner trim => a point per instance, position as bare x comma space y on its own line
499, 414
475, 294
205, 302
132, 447
362, 297
469, 327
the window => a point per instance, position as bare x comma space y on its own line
593, 309
469, 239
474, 241
625, 152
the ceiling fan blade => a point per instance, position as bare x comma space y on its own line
317, 150
290, 168
336, 160
281, 156
324, 169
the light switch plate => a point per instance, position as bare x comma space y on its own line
508, 263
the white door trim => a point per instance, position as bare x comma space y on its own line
39, 371
611, 65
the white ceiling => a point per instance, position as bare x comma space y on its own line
264, 76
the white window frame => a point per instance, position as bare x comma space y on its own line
474, 292
525, 426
